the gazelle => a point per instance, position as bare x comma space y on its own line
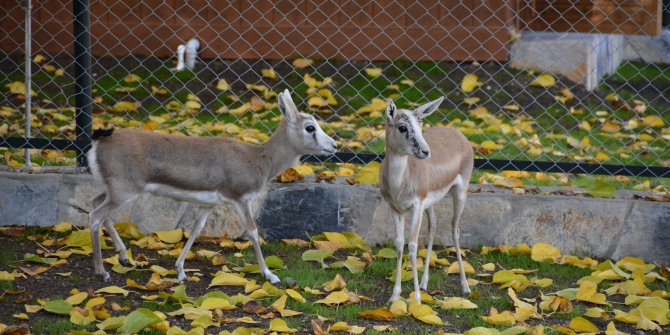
419, 170
202, 171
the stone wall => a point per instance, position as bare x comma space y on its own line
604, 228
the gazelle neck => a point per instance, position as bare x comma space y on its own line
278, 153
397, 168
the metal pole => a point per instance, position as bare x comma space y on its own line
28, 74
82, 72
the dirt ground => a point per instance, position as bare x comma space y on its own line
50, 285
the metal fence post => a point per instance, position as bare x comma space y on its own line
82, 72
28, 77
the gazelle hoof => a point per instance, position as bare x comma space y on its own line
125, 262
272, 277
105, 277
394, 298
181, 276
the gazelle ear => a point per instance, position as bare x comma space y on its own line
427, 109
287, 106
390, 111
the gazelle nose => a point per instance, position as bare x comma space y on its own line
425, 152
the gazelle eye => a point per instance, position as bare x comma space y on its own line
402, 129
310, 129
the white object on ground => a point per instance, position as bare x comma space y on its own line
180, 57
192, 47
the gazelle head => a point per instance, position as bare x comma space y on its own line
304, 133
404, 129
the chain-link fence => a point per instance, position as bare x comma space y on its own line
548, 86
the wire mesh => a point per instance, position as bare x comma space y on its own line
525, 81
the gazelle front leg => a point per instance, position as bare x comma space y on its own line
109, 225
459, 193
244, 211
95, 225
399, 246
432, 226
417, 213
203, 214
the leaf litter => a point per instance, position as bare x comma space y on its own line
230, 301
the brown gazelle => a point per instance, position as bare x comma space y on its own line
202, 171
419, 170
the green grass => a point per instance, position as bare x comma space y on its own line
373, 282
637, 71
49, 326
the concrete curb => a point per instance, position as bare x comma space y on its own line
604, 228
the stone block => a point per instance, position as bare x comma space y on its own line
582, 58
648, 49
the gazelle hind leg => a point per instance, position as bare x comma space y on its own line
244, 211
399, 246
432, 227
417, 213
118, 243
203, 214
188, 207
459, 193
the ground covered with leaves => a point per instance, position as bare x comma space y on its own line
332, 284
505, 113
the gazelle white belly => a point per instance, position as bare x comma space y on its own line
200, 197
435, 196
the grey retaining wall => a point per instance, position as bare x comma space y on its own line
604, 228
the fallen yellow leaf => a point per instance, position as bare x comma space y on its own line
222, 85
301, 63
335, 298
373, 72
542, 252
544, 80
424, 313
269, 73
295, 295
113, 290
216, 303
368, 174
379, 314
399, 308
280, 326
588, 292
506, 318
228, 279
469, 83
172, 236
456, 303
125, 106
581, 325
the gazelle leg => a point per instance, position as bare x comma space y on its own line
118, 243
244, 211
188, 207
417, 213
96, 219
399, 246
432, 227
203, 214
459, 193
